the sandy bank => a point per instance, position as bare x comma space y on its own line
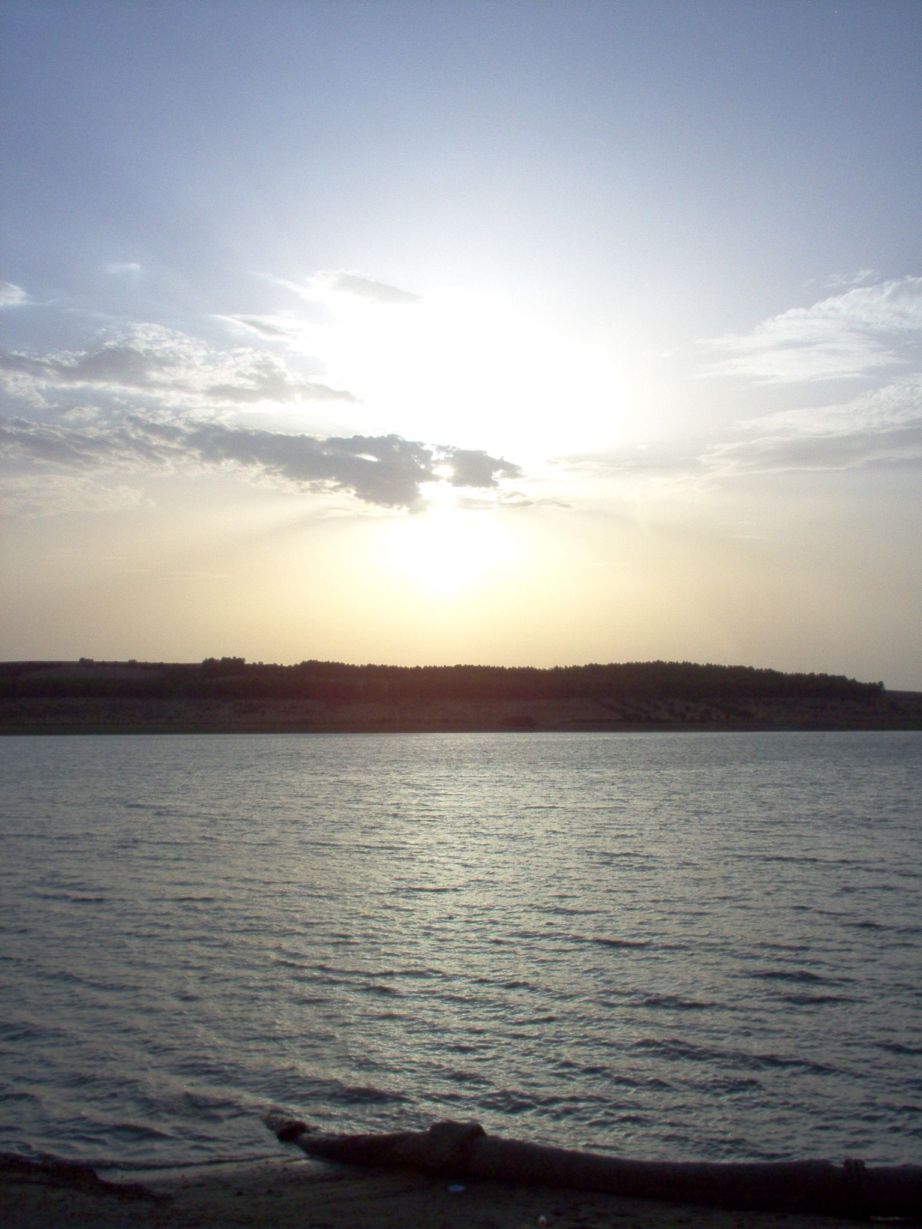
118, 715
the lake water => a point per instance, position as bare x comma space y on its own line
663, 945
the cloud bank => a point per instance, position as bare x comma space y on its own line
878, 428
383, 470
155, 400
883, 427
163, 363
845, 336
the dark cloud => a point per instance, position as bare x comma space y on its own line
384, 470
474, 468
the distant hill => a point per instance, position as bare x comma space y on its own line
229, 695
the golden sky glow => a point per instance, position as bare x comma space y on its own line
424, 334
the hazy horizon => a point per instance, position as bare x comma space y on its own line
425, 333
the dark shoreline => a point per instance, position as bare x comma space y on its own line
75, 724
231, 697
296, 1194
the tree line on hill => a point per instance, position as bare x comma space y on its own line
338, 682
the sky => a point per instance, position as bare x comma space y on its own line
463, 331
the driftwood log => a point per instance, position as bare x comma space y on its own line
464, 1149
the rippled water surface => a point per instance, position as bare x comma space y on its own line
665, 945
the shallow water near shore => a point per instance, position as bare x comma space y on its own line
662, 945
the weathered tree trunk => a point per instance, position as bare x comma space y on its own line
465, 1150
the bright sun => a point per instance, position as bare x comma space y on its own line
448, 552
460, 367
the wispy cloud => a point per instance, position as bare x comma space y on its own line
879, 428
274, 327
852, 334
369, 288
343, 281
12, 295
844, 281
384, 470
893, 406
779, 454
28, 498
166, 364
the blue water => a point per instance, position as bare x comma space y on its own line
663, 945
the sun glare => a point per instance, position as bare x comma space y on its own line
466, 368
448, 552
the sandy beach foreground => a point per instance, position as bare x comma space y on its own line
308, 1195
